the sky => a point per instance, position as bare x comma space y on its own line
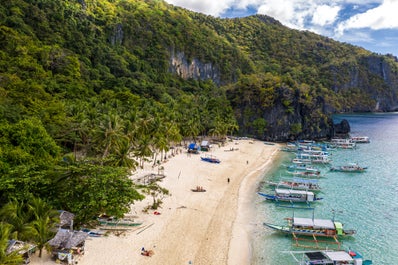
371, 24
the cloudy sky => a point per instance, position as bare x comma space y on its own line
372, 24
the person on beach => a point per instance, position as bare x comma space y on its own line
228, 180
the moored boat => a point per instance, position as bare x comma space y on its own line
353, 168
298, 184
360, 139
329, 257
306, 174
291, 195
312, 227
302, 167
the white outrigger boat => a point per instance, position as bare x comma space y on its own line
360, 139
329, 257
291, 195
312, 227
298, 184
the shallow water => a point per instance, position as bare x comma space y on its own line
366, 202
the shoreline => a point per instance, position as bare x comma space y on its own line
243, 227
194, 227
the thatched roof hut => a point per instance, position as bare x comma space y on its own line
66, 219
23, 248
65, 239
19, 246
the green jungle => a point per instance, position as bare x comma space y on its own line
91, 89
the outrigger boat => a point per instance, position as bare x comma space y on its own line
329, 257
352, 168
112, 221
312, 227
306, 174
291, 195
302, 167
360, 139
298, 184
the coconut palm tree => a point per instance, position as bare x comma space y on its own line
44, 221
109, 133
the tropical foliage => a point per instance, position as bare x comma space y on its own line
91, 89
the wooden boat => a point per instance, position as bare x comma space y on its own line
112, 221
302, 167
360, 139
328, 257
291, 195
297, 184
198, 189
312, 227
352, 168
343, 143
210, 159
306, 174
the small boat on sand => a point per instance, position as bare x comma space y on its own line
198, 189
210, 159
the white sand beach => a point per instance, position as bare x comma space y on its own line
209, 227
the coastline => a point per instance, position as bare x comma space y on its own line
211, 227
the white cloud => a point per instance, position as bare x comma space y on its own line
290, 13
209, 7
325, 15
383, 16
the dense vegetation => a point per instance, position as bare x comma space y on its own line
88, 91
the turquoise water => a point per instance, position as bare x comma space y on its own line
366, 202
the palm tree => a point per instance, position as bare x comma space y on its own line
122, 155
13, 258
109, 133
45, 219
16, 215
143, 149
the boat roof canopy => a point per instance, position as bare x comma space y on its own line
321, 223
288, 191
338, 256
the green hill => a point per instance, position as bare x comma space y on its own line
102, 80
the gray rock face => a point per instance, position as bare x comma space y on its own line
194, 68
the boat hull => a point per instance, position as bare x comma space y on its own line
307, 232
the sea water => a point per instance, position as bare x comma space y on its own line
366, 202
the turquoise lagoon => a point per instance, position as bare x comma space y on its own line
366, 202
